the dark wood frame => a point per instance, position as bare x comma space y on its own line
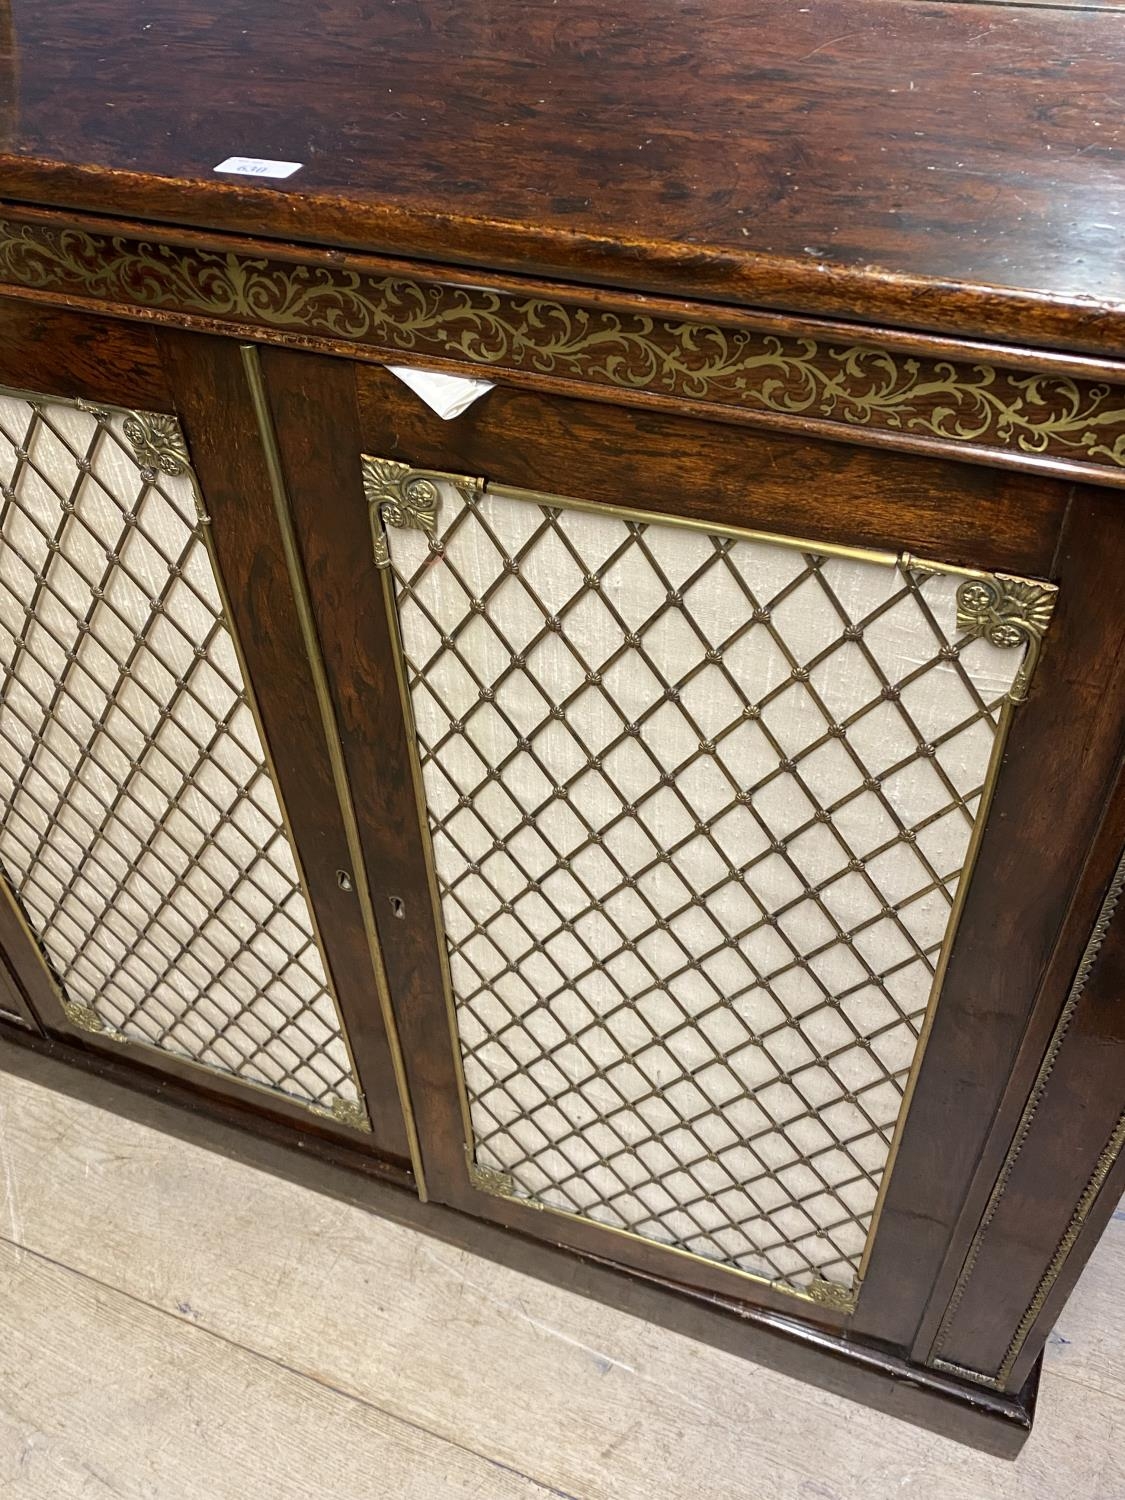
13, 1003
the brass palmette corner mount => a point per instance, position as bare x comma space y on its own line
496, 1183
1001, 608
86, 1018
489, 1180
1008, 612
831, 1294
350, 1112
399, 495
156, 441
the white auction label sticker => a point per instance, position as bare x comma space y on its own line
257, 166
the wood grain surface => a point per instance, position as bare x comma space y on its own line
935, 165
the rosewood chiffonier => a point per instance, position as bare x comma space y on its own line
663, 824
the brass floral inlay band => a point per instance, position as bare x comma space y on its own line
857, 388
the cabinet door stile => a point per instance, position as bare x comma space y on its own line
312, 401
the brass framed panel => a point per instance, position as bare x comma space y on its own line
1006, 611
159, 454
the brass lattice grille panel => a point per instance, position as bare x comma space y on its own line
699, 806
140, 830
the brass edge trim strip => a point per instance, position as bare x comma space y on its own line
964, 884
491, 1182
303, 605
689, 523
1066, 1244
398, 656
820, 1293
962, 1372
1089, 958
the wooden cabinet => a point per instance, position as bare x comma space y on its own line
671, 812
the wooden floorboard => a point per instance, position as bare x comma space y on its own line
102, 1395
431, 1367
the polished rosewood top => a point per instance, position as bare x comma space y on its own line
950, 166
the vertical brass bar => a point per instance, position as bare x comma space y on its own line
992, 775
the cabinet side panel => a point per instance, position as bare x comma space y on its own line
1061, 1175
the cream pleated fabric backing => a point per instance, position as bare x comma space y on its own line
699, 806
139, 827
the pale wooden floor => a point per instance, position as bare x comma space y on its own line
177, 1327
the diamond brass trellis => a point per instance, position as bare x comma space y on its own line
140, 830
699, 802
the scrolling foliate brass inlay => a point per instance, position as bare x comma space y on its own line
781, 377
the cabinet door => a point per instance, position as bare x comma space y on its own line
169, 832
730, 757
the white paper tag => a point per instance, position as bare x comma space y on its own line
258, 166
448, 395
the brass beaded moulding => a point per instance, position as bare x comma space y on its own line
1009, 613
822, 380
